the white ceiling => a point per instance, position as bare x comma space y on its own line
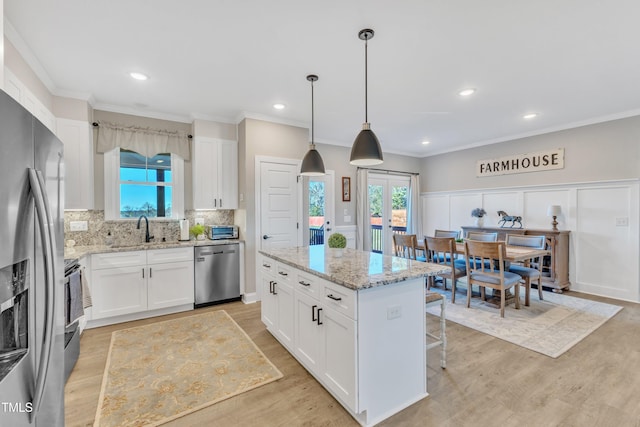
572, 61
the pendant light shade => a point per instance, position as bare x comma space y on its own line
366, 150
312, 164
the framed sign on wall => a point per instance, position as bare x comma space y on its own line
346, 189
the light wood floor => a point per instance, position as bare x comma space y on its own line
488, 382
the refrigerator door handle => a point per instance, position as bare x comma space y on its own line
45, 223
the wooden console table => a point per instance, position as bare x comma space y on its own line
555, 271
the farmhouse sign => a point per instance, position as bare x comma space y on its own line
520, 163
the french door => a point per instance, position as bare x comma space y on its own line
388, 201
319, 208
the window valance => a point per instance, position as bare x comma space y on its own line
145, 141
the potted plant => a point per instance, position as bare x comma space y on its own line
197, 231
478, 214
338, 242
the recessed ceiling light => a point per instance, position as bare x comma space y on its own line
278, 106
467, 92
139, 76
425, 142
530, 116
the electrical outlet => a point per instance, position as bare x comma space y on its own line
622, 222
394, 312
200, 221
346, 211
78, 226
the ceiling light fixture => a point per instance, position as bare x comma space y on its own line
312, 164
467, 92
366, 150
425, 142
139, 76
530, 116
278, 106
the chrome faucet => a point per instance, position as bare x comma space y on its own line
147, 238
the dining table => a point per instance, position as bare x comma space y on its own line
512, 254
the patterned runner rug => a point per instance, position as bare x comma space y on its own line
550, 327
159, 372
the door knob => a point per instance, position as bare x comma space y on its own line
265, 237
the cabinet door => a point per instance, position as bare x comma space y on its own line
338, 369
307, 332
205, 173
170, 284
117, 291
269, 308
227, 175
77, 137
285, 329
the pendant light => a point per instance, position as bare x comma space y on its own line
312, 164
366, 150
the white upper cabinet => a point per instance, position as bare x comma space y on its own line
77, 137
18, 91
215, 173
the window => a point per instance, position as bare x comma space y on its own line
137, 185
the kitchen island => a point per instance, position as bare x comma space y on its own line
355, 320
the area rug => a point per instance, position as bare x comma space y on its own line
550, 327
163, 371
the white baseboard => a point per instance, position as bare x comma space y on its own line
137, 316
250, 298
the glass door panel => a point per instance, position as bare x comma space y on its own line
388, 201
320, 208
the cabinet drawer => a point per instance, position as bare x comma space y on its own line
309, 284
284, 273
341, 299
159, 256
267, 265
118, 259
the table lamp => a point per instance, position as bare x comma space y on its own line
554, 211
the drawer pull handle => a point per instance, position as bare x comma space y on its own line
303, 283
334, 298
313, 313
266, 265
282, 273
318, 321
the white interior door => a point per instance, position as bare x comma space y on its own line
279, 205
320, 208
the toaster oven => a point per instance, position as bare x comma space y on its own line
222, 232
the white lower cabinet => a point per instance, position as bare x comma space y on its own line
277, 301
126, 283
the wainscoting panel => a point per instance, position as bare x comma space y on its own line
606, 250
535, 207
349, 232
603, 217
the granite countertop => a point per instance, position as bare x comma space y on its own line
354, 269
80, 251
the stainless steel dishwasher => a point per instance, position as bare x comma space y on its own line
217, 274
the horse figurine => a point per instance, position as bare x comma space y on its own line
504, 218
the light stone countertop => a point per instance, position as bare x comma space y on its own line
80, 251
354, 269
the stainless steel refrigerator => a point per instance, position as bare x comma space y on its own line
31, 270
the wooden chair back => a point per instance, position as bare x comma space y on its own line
440, 250
537, 242
486, 268
405, 245
482, 237
446, 233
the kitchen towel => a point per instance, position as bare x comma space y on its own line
86, 294
75, 297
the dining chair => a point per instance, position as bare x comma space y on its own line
446, 233
482, 237
480, 254
405, 246
441, 250
528, 273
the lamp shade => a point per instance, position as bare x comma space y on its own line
312, 164
554, 210
366, 150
